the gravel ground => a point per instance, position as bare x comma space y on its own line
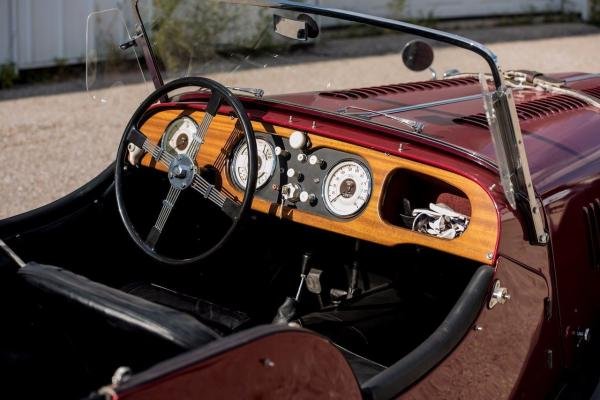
53, 143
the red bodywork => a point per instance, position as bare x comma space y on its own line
514, 350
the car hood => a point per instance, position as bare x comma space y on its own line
559, 130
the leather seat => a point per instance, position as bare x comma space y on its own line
114, 328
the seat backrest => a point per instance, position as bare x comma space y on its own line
115, 327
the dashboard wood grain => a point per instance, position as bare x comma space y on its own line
478, 242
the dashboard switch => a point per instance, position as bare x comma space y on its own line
314, 160
291, 192
298, 140
302, 157
291, 172
279, 152
309, 198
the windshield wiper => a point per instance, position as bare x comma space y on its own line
416, 126
256, 92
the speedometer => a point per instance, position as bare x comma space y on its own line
266, 164
347, 188
178, 135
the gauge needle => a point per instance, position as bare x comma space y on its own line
348, 191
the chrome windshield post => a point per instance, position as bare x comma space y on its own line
512, 161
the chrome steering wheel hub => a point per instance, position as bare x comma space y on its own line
181, 172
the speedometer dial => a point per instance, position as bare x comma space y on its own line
178, 136
347, 188
266, 164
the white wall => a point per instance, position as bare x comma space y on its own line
52, 31
446, 8
5, 36
47, 32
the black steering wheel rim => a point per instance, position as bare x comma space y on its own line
121, 163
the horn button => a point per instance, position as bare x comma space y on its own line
181, 172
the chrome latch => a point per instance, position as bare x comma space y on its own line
500, 295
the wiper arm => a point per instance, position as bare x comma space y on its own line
416, 126
256, 92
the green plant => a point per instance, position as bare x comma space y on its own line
397, 8
8, 75
186, 31
594, 12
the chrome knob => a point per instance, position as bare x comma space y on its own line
314, 160
281, 152
302, 157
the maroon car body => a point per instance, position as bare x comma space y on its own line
535, 344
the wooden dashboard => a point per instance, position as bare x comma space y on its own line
389, 178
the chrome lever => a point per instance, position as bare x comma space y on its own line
256, 92
416, 126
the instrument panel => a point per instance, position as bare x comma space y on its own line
291, 173
331, 184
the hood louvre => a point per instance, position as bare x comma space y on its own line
370, 92
533, 109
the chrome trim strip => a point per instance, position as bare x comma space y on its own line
416, 106
582, 77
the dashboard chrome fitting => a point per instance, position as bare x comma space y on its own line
500, 295
291, 192
135, 154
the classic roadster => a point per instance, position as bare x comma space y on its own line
426, 236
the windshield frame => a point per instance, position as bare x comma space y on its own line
512, 164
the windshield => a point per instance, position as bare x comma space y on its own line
441, 87
336, 65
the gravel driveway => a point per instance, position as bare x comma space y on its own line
53, 143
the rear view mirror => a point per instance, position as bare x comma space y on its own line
303, 28
417, 55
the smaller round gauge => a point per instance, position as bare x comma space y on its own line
347, 188
266, 164
178, 135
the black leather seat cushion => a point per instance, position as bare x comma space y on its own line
122, 311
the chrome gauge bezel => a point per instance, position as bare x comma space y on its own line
232, 162
327, 180
166, 137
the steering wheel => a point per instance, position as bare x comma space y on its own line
184, 173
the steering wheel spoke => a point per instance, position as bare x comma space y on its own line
229, 206
140, 140
163, 217
198, 139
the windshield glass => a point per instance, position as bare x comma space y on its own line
319, 62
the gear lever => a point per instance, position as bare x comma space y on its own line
287, 310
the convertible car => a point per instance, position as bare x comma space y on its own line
272, 228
